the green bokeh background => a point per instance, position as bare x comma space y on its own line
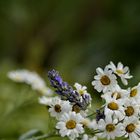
73, 37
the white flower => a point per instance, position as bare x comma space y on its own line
44, 90
131, 128
32, 79
58, 107
70, 125
135, 94
131, 109
118, 94
17, 76
114, 108
121, 71
105, 81
45, 100
86, 122
92, 124
93, 138
77, 109
80, 89
109, 128
86, 137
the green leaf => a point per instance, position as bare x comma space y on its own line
30, 134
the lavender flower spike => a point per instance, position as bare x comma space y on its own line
66, 91
62, 88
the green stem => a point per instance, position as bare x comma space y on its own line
91, 115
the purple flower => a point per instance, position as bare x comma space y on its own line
66, 91
99, 115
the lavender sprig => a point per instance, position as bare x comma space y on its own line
66, 91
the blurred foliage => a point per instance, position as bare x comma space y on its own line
73, 37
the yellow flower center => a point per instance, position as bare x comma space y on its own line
129, 111
76, 108
57, 108
130, 128
81, 92
105, 80
118, 95
18, 77
133, 92
85, 122
110, 127
119, 71
71, 124
113, 106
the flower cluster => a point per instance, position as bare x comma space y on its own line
122, 106
119, 116
32, 79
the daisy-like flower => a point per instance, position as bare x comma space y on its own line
58, 107
114, 108
92, 124
70, 125
109, 128
32, 79
134, 94
118, 94
131, 128
77, 109
105, 81
86, 122
86, 137
45, 100
121, 71
17, 76
131, 109
80, 89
